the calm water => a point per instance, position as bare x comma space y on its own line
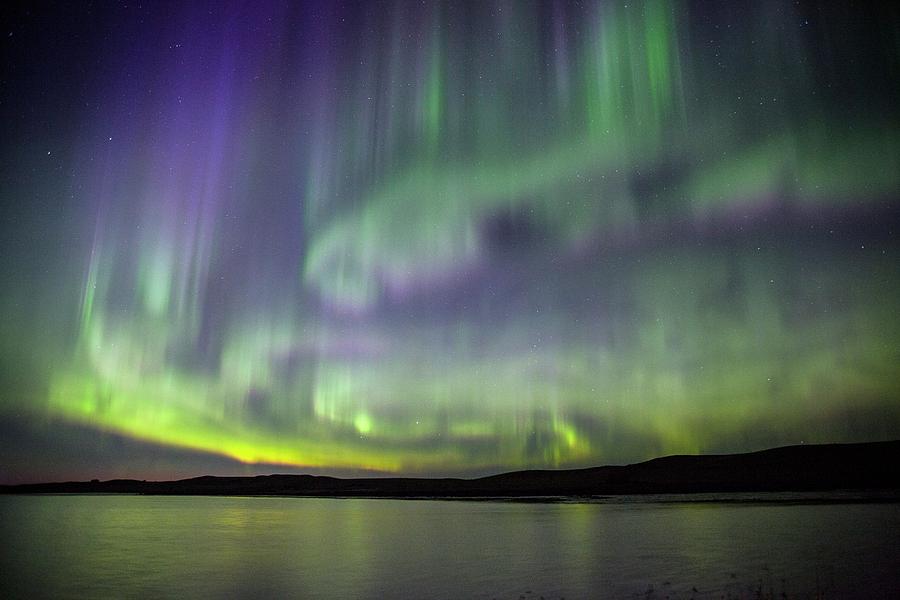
135, 546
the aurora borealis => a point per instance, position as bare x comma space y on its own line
448, 237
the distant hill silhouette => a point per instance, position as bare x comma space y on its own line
869, 466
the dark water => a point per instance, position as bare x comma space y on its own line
134, 546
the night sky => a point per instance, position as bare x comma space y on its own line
443, 238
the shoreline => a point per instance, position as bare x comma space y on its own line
776, 498
844, 471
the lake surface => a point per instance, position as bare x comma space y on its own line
145, 546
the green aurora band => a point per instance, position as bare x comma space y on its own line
512, 235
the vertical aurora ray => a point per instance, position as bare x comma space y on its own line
463, 237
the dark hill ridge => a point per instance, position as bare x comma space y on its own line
869, 466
